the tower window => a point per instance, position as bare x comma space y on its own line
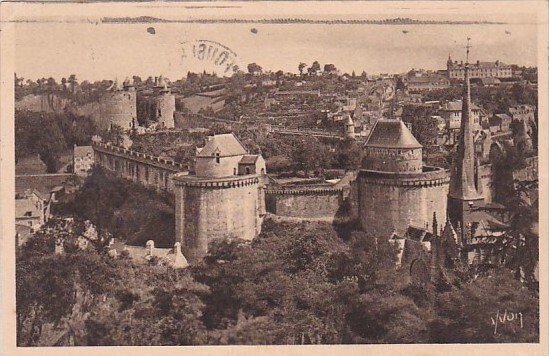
217, 159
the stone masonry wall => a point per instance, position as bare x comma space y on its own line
304, 203
389, 205
150, 171
205, 213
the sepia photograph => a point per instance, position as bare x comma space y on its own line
274, 173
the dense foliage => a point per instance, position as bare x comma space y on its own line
125, 210
50, 134
297, 283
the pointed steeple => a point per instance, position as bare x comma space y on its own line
462, 183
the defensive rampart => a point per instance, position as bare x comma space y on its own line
153, 172
305, 202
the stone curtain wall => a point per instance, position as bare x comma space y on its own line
150, 171
305, 203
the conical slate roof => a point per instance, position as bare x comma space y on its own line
388, 133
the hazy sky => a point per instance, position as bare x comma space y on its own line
60, 41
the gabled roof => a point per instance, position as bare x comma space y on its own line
225, 145
418, 234
389, 133
43, 183
22, 206
248, 159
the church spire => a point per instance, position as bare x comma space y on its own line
462, 183
463, 196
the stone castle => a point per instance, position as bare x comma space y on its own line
123, 106
394, 195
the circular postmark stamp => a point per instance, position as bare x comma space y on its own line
210, 55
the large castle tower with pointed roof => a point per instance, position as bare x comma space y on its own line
395, 189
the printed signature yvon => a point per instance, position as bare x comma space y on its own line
506, 317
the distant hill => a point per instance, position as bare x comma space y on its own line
393, 21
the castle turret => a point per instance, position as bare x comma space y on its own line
119, 106
222, 199
164, 105
349, 128
395, 190
463, 196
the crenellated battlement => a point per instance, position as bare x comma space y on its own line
144, 158
303, 191
430, 177
213, 183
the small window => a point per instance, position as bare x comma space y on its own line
234, 171
217, 159
247, 170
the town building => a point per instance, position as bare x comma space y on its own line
523, 112
32, 209
417, 81
451, 113
222, 199
479, 69
82, 160
500, 123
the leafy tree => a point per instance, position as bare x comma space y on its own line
314, 68
468, 313
328, 68
301, 67
254, 68
424, 126
349, 155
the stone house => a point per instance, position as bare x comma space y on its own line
83, 160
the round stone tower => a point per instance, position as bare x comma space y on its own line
222, 199
119, 106
395, 190
349, 128
164, 105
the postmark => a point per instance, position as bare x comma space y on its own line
211, 54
